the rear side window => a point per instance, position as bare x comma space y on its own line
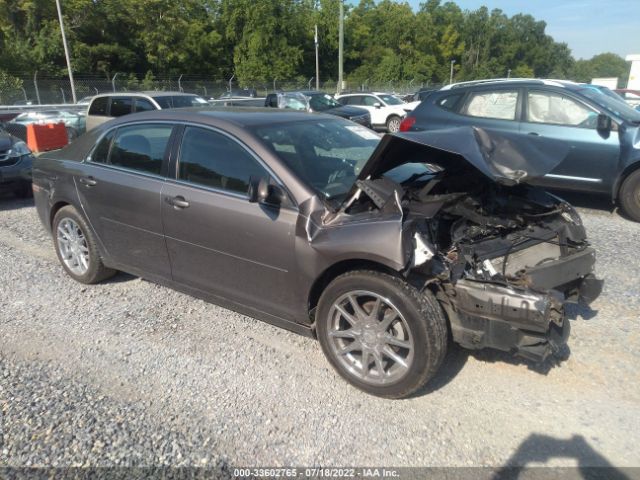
101, 152
449, 102
499, 104
140, 147
120, 106
99, 106
144, 105
370, 101
357, 100
214, 160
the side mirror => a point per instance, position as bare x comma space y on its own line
261, 191
604, 123
377, 105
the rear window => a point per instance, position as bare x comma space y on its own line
180, 101
120, 106
99, 106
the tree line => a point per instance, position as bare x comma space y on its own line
262, 40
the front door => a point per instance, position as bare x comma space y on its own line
119, 187
218, 241
592, 162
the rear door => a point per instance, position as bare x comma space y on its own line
218, 241
592, 162
98, 112
119, 186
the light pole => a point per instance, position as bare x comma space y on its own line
451, 74
315, 38
113, 81
340, 46
66, 52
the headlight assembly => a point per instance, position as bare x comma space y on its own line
18, 149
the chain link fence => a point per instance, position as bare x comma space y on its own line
35, 90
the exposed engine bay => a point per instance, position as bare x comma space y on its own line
502, 257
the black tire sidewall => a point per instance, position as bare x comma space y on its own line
96, 270
629, 196
428, 343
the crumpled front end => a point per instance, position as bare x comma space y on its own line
506, 277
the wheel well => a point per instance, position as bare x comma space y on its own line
623, 176
338, 269
391, 116
55, 209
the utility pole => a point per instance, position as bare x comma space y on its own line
315, 38
66, 52
509, 73
340, 46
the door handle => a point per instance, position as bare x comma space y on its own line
535, 134
178, 202
88, 181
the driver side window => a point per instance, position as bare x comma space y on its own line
556, 109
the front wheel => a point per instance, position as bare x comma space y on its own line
381, 334
76, 247
629, 197
393, 124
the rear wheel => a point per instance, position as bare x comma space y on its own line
393, 124
76, 247
381, 334
629, 196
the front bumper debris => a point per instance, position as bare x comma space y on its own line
528, 320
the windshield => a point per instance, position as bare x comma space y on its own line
615, 105
321, 102
327, 154
180, 101
391, 100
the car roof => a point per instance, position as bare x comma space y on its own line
148, 93
237, 116
511, 81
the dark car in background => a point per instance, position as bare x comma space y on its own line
380, 248
15, 165
311, 101
603, 133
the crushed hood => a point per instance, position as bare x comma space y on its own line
505, 158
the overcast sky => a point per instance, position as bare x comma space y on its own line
589, 27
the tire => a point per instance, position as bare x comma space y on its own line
393, 124
417, 336
23, 191
629, 196
70, 228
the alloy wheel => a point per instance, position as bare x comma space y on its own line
370, 338
73, 247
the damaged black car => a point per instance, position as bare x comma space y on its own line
380, 248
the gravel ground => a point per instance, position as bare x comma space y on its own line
129, 373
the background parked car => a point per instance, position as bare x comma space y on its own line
15, 165
386, 110
601, 131
107, 106
242, 93
73, 121
312, 101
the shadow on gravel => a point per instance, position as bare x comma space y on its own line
9, 202
539, 448
119, 277
575, 310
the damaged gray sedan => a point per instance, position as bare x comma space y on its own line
380, 248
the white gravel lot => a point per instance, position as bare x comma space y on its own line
130, 373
